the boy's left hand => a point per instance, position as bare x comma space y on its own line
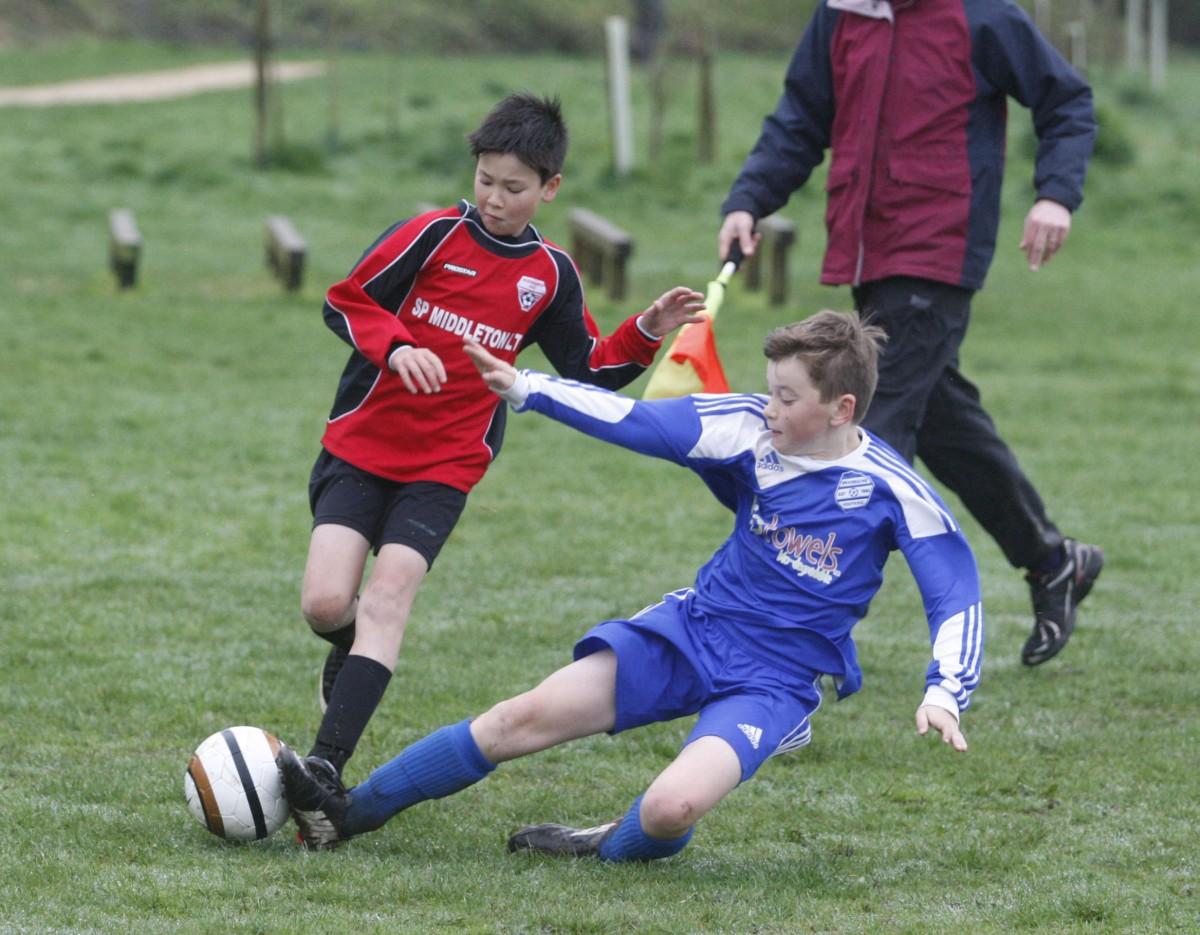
671, 310
944, 723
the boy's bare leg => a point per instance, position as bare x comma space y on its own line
381, 615
386, 601
576, 701
659, 823
705, 771
337, 556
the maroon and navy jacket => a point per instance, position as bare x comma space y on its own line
429, 282
911, 99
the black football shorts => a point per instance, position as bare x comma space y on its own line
418, 514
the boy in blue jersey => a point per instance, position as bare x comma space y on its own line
819, 505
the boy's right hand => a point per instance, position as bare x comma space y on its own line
420, 368
945, 723
497, 374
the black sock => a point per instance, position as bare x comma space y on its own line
342, 638
356, 694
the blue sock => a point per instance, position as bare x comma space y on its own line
435, 766
630, 842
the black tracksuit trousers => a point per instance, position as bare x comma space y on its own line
925, 407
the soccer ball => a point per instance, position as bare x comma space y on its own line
233, 786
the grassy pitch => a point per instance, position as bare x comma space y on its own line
154, 451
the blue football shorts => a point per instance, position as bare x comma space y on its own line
671, 664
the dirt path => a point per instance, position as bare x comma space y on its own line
152, 85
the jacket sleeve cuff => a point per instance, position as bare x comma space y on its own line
1068, 199
518, 393
938, 697
740, 203
653, 339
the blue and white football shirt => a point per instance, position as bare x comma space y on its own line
810, 537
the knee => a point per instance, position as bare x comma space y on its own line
667, 813
326, 610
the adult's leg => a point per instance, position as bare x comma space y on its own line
925, 322
960, 445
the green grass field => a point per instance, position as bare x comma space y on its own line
154, 452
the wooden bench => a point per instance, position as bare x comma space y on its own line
285, 251
124, 246
601, 249
778, 235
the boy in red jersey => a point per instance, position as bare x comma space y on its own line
412, 428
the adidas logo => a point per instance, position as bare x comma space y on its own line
769, 462
753, 734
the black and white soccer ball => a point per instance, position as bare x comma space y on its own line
233, 786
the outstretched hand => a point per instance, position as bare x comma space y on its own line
671, 310
944, 723
497, 374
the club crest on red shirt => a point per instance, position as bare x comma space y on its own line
529, 291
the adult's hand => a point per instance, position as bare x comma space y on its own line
738, 226
1046, 228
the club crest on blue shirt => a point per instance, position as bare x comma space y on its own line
853, 490
529, 291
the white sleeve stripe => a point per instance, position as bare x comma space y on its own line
349, 330
557, 274
362, 402
973, 642
717, 400
957, 650
903, 469
916, 486
730, 410
597, 403
915, 480
727, 434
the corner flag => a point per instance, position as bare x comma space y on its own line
691, 364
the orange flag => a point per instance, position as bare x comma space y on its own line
691, 364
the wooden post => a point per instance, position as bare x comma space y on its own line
1041, 16
285, 250
262, 44
1077, 36
706, 136
601, 249
1135, 36
778, 236
1158, 44
124, 246
620, 111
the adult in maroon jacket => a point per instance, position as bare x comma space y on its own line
911, 98
413, 428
